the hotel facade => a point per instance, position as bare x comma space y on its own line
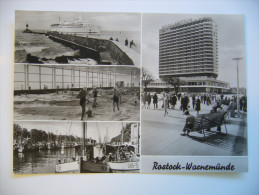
189, 50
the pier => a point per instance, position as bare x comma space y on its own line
101, 50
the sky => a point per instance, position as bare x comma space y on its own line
75, 129
231, 43
41, 20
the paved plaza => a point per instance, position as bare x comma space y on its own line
163, 135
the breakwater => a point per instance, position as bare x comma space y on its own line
101, 50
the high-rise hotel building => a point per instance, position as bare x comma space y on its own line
189, 50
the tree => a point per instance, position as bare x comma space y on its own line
146, 77
174, 81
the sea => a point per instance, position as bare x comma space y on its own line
42, 161
41, 46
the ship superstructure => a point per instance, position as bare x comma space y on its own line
78, 27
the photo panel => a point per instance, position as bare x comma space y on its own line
48, 147
91, 38
69, 92
194, 103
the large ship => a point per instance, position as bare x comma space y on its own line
77, 27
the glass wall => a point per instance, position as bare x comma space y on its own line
35, 77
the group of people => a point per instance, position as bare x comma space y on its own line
131, 43
84, 100
186, 102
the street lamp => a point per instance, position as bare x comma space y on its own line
238, 107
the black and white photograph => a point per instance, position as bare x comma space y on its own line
193, 97
76, 147
46, 37
79, 93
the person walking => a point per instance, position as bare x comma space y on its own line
82, 95
155, 99
115, 99
166, 103
184, 103
193, 101
174, 100
198, 105
148, 100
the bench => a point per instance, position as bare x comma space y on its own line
205, 122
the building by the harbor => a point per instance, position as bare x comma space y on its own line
189, 50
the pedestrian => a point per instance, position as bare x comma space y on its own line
166, 102
132, 43
198, 105
115, 99
204, 99
82, 95
193, 101
174, 100
148, 100
126, 42
184, 103
155, 100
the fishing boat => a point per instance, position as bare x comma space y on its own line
77, 27
125, 159
125, 156
68, 165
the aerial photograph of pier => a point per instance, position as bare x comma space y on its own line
76, 147
77, 38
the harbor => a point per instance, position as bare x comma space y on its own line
79, 41
36, 151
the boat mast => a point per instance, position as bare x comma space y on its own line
122, 133
84, 135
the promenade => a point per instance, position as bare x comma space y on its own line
162, 135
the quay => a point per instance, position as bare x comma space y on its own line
101, 50
104, 51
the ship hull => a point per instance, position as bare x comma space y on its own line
70, 167
92, 167
125, 167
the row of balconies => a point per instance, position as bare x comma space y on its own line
187, 55
191, 64
187, 64
189, 25
182, 41
185, 32
177, 51
188, 31
193, 38
183, 61
188, 35
185, 71
186, 45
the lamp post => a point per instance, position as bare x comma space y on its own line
238, 107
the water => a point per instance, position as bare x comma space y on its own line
41, 161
